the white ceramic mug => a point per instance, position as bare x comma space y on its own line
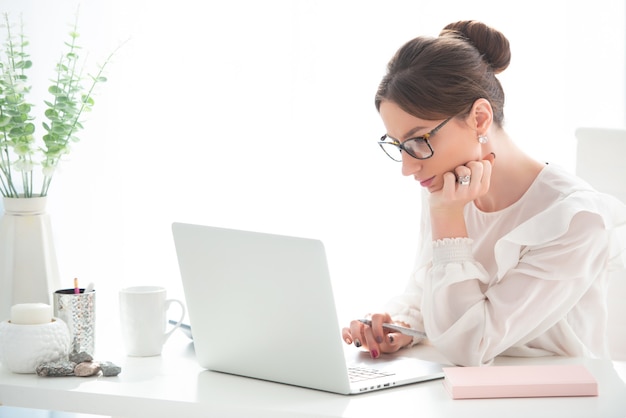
143, 319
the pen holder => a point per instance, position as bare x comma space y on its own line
24, 347
78, 310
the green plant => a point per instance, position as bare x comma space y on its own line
20, 152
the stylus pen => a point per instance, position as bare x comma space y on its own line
403, 330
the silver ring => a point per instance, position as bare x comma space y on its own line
464, 180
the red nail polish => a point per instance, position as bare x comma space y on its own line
374, 353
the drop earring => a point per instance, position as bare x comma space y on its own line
483, 139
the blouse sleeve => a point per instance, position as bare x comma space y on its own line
544, 267
471, 319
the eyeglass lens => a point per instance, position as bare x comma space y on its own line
417, 148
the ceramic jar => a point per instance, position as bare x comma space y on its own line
24, 347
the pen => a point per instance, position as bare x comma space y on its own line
403, 330
89, 287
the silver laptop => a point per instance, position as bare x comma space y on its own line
262, 306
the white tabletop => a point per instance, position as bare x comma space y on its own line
173, 385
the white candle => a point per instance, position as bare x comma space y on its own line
31, 314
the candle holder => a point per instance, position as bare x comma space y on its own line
24, 347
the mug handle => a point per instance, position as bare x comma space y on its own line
168, 303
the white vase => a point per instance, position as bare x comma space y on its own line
28, 264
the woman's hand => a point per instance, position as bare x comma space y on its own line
375, 338
464, 184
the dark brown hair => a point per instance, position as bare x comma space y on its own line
436, 78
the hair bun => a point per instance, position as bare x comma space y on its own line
492, 44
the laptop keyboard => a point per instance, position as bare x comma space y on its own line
358, 374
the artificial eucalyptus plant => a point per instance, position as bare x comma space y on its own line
71, 94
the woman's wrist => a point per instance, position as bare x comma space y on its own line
448, 224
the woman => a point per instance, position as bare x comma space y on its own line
515, 253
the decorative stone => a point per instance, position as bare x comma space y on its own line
109, 369
87, 368
56, 369
80, 369
80, 357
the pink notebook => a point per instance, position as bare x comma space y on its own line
519, 381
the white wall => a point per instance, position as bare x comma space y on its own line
260, 115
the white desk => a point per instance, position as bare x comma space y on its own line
173, 385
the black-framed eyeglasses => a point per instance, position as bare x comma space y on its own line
417, 147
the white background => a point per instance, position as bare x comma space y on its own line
259, 115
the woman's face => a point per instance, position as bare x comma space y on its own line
453, 145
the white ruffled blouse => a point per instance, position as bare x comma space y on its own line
530, 281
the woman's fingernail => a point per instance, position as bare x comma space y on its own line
348, 341
357, 343
379, 340
374, 353
390, 339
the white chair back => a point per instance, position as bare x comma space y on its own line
601, 161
